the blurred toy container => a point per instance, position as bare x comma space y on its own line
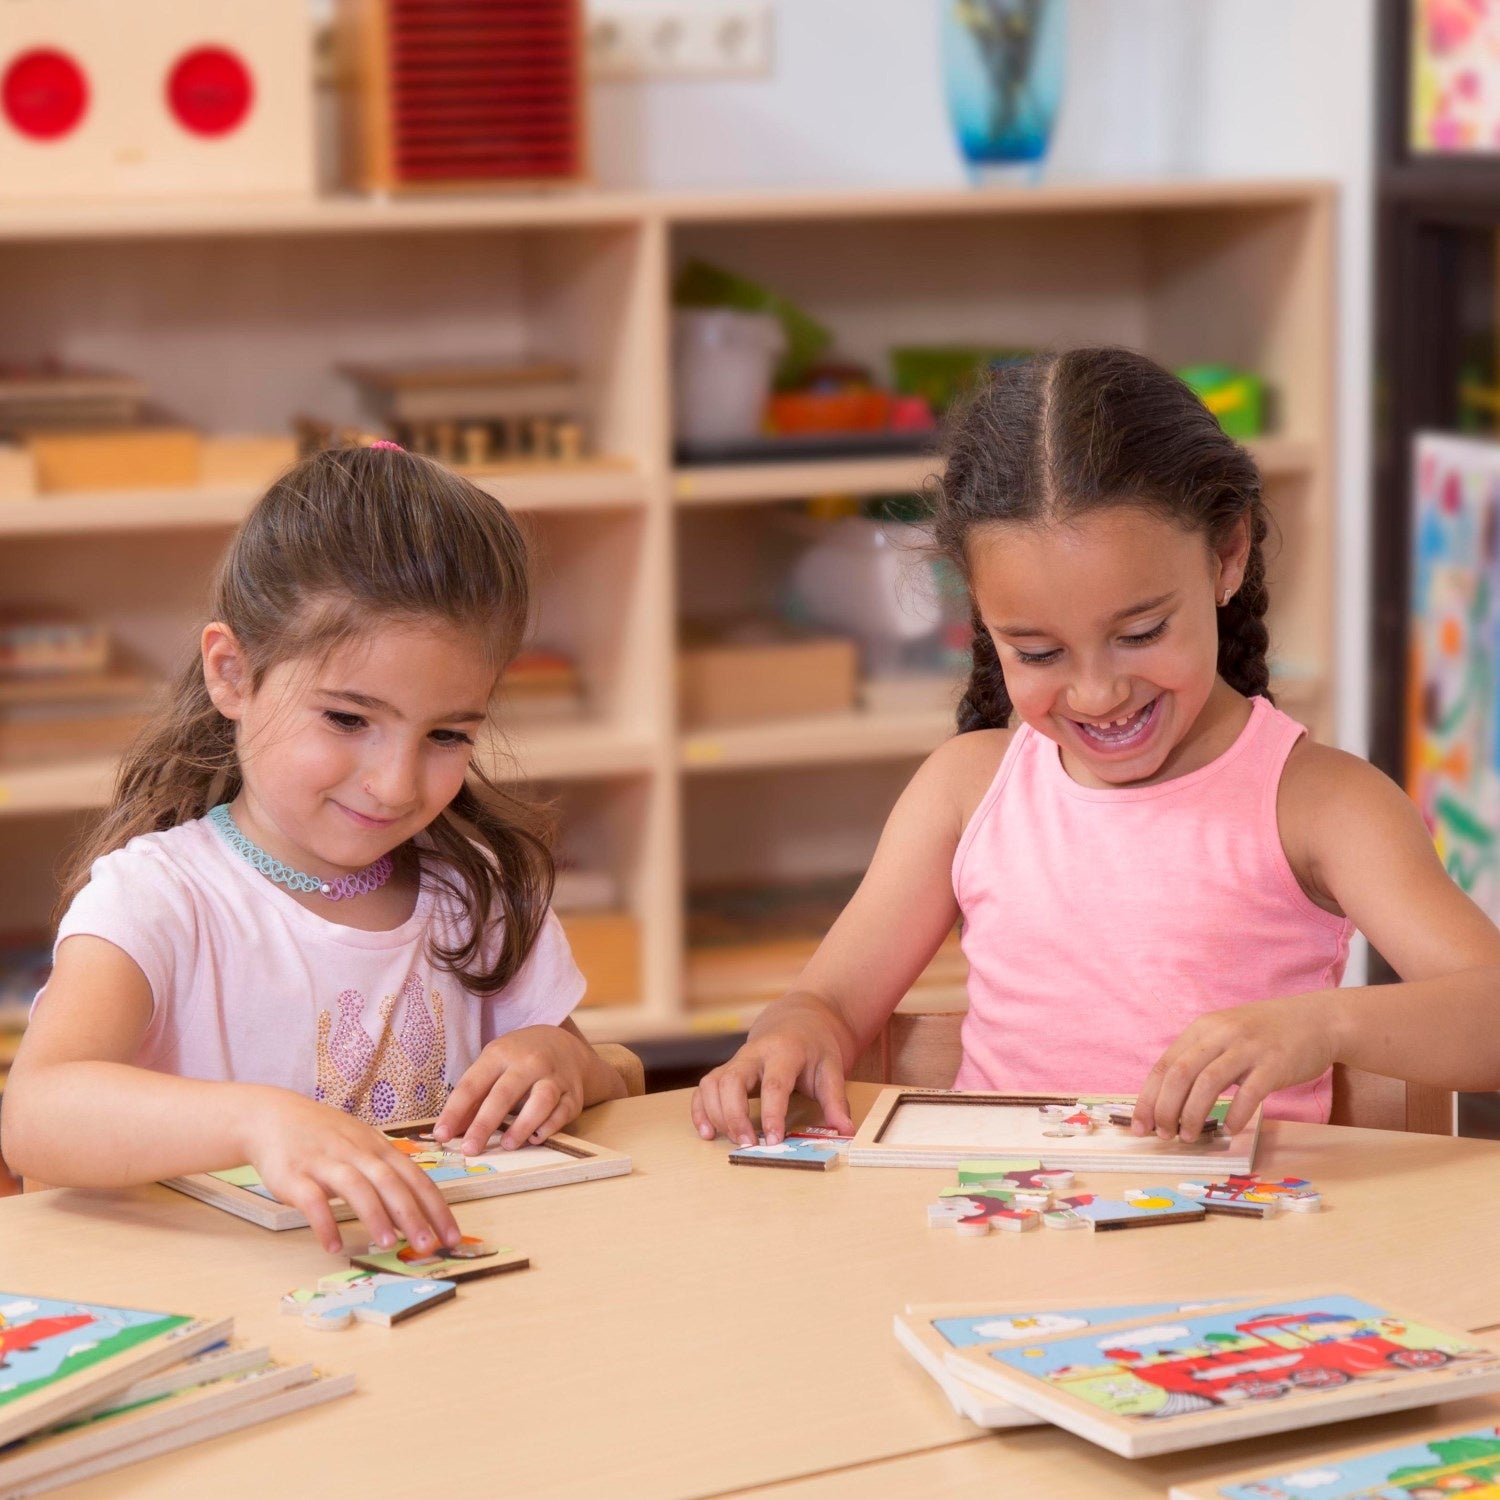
876, 581
723, 365
1236, 398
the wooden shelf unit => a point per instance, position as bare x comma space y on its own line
236, 314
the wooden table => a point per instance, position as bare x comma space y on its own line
697, 1329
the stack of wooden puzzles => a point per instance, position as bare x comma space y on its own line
1148, 1378
86, 1388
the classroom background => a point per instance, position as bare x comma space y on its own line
689, 285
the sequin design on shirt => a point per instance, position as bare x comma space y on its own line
399, 1076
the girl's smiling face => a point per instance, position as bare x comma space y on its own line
1105, 626
346, 758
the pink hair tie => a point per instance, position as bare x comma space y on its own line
387, 443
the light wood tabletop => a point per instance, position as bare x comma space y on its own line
696, 1328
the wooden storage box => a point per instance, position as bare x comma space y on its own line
229, 460
723, 683
115, 458
17, 473
607, 947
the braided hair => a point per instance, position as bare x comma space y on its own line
1065, 433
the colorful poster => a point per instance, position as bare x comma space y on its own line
1453, 737
1455, 77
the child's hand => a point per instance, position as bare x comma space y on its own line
794, 1053
545, 1065
1269, 1045
307, 1153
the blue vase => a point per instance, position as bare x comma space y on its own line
1003, 66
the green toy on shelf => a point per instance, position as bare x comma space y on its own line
1236, 398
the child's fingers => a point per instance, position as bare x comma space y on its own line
402, 1189
505, 1094
701, 1122
430, 1201
776, 1085
564, 1114
344, 1180
712, 1091
311, 1202
1251, 1093
458, 1112
734, 1100
1210, 1084
1143, 1121
546, 1094
832, 1094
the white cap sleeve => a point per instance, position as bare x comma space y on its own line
545, 991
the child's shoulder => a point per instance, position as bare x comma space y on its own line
965, 766
1322, 775
1324, 795
171, 859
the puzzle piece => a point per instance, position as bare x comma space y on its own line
469, 1260
1135, 1208
1002, 1172
372, 1297
792, 1152
819, 1133
1250, 1196
977, 1213
1065, 1119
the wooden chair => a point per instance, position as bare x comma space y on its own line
922, 1048
626, 1064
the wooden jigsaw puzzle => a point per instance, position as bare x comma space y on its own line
810, 1154
1462, 1462
945, 1127
562, 1159
370, 1296
1255, 1197
1161, 1385
468, 1261
58, 1356
930, 1332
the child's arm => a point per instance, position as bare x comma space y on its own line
1356, 841
882, 941
78, 1113
552, 1068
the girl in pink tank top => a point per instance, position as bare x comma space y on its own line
1156, 873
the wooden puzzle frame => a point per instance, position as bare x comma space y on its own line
917, 1332
1107, 1148
1245, 1480
93, 1383
586, 1162
1337, 1376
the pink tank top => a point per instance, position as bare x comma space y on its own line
1098, 922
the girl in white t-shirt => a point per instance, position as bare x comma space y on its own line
308, 912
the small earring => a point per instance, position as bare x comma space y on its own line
1228, 595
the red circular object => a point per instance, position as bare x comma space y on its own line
45, 93
210, 91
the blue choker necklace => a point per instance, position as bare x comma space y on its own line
360, 883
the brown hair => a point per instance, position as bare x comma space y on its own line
344, 540
1062, 434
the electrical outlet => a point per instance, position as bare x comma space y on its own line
690, 39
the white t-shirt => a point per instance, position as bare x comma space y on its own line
249, 986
